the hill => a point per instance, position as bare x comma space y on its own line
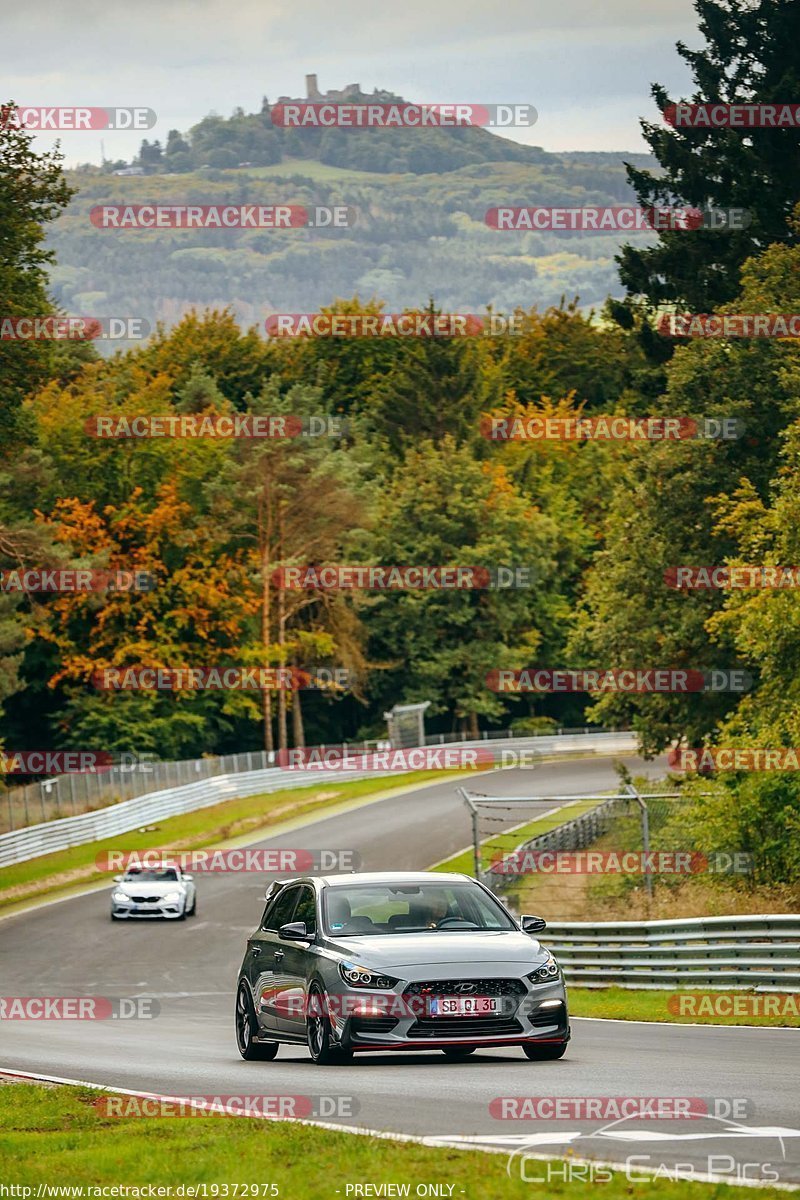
417, 236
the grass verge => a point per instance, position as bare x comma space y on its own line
241, 818
55, 1135
690, 1007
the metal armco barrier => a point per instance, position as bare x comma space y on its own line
753, 952
50, 836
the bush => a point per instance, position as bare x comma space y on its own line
534, 725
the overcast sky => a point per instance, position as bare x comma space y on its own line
586, 65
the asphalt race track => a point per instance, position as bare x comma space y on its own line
71, 948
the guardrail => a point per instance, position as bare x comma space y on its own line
50, 836
753, 952
59, 796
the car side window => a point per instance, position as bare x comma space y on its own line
307, 910
281, 911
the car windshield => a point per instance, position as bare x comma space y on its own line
365, 910
140, 875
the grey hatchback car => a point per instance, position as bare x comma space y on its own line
396, 961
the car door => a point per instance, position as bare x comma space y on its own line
265, 962
295, 962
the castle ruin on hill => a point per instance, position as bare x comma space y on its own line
351, 92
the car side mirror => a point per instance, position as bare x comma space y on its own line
118, 878
185, 876
533, 924
295, 931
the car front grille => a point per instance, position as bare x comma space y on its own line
477, 987
146, 899
463, 1027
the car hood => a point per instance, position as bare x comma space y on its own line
148, 889
437, 947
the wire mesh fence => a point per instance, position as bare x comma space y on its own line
569, 855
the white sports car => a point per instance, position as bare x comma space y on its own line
153, 892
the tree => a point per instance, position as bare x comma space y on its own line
750, 56
663, 514
442, 508
32, 193
289, 502
150, 155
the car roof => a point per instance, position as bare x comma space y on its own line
404, 877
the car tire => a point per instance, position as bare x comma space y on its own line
193, 909
182, 914
246, 1026
544, 1053
456, 1052
318, 1032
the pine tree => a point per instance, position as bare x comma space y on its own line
750, 56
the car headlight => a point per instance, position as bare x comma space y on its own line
356, 976
172, 897
120, 898
548, 972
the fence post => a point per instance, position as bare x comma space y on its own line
648, 878
476, 847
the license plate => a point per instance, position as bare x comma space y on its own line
464, 1006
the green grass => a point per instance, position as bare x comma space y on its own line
624, 1005
55, 1135
50, 873
504, 843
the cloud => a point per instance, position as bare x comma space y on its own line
570, 59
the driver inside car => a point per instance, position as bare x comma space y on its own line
434, 909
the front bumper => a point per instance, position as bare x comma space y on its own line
529, 1013
145, 910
